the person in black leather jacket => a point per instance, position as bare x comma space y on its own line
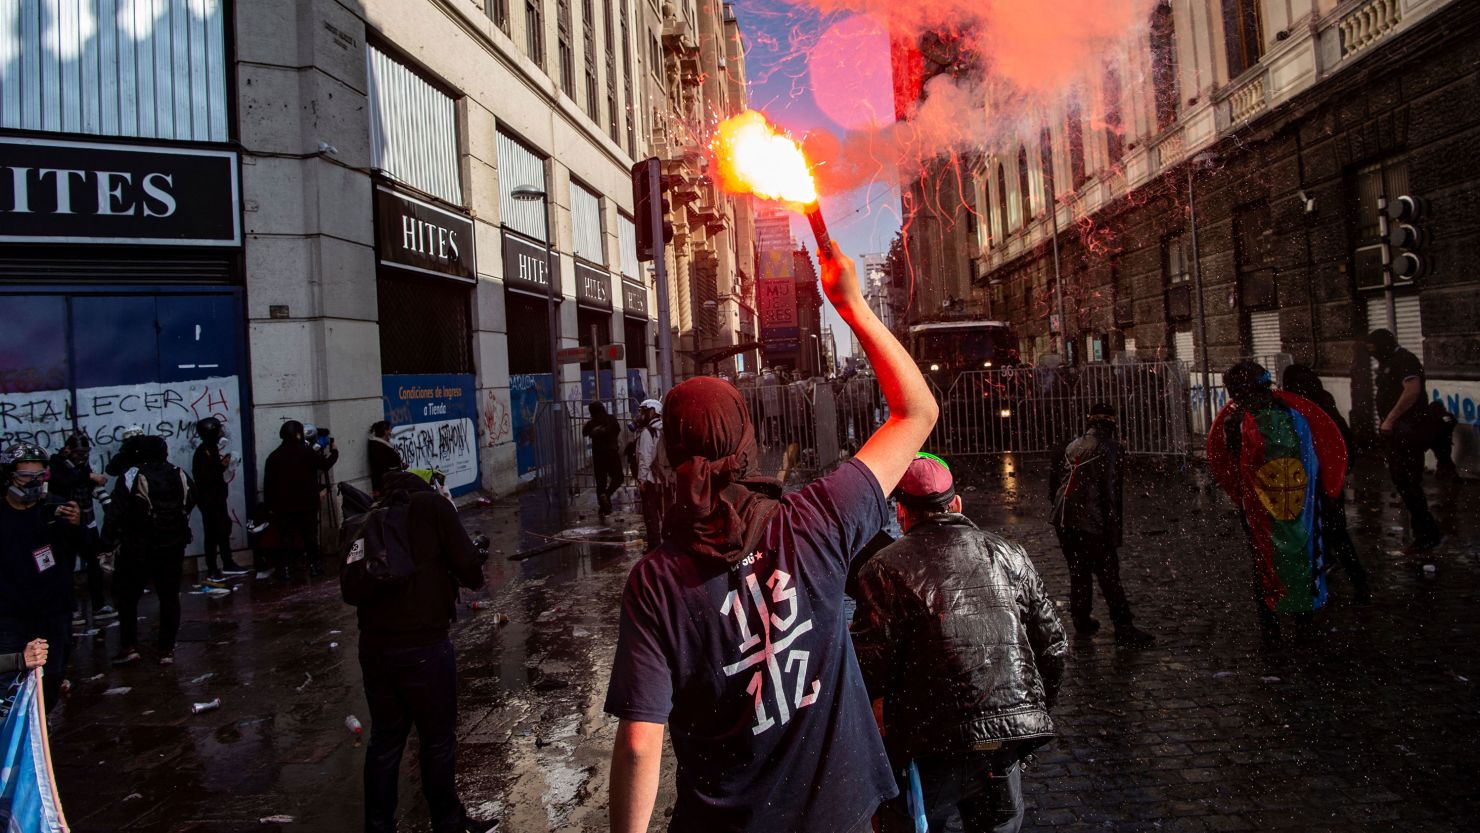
956, 634
1086, 489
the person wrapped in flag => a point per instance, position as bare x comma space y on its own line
28, 795
1273, 452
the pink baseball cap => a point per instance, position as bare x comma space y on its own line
927, 484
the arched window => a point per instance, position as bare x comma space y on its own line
1002, 197
1025, 189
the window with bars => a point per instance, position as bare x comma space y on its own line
1254, 256
529, 333
585, 211
407, 343
498, 12
1045, 162
564, 46
1164, 65
534, 31
627, 248
413, 127
1074, 128
635, 334
1242, 35
613, 121
1114, 120
1176, 263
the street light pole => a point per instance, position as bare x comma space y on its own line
529, 193
1197, 286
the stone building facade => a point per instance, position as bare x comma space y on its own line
1248, 155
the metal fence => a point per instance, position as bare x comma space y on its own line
805, 428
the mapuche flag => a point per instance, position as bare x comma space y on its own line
1288, 455
28, 791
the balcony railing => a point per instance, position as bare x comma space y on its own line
1368, 24
1168, 151
1248, 100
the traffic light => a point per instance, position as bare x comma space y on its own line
1404, 238
642, 206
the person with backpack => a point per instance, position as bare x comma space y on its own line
404, 561
39, 536
1086, 485
149, 521
732, 631
291, 489
209, 468
654, 475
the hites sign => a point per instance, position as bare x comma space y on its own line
54, 191
416, 235
593, 287
525, 266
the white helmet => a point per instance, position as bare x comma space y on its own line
652, 403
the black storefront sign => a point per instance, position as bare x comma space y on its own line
593, 287
634, 299
416, 235
525, 266
54, 191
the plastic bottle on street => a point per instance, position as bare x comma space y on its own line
208, 706
352, 723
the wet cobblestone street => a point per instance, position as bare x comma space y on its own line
1365, 721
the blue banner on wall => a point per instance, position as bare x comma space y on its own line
433, 421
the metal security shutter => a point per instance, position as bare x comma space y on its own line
1182, 346
585, 215
1264, 334
1410, 320
627, 248
413, 128
154, 70
520, 167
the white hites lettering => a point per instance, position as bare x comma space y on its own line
425, 238
116, 192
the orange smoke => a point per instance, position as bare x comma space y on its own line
752, 157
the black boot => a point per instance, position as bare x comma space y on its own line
1086, 626
1130, 636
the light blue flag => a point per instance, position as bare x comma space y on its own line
28, 791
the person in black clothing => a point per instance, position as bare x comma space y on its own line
383, 456
957, 636
291, 489
1405, 433
1303, 381
1441, 440
38, 542
409, 668
211, 491
149, 521
606, 459
1086, 485
71, 477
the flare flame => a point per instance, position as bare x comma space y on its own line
752, 157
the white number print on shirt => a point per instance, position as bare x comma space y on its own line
771, 649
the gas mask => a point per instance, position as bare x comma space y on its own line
30, 492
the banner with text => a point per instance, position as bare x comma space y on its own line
433, 421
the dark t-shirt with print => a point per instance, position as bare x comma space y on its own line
1391, 375
752, 669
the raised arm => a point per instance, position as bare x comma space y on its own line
912, 410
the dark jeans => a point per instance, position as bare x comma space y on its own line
1338, 540
216, 522
87, 553
297, 537
987, 794
1405, 452
1092, 556
132, 572
56, 629
608, 470
652, 512
405, 687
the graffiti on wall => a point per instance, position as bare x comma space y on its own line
433, 424
496, 424
166, 409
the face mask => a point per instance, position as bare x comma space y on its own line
30, 492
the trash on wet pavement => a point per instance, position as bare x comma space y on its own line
207, 706
278, 819
114, 692
355, 728
307, 678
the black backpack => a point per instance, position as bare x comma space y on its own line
162, 495
376, 548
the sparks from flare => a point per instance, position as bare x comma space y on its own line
753, 157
